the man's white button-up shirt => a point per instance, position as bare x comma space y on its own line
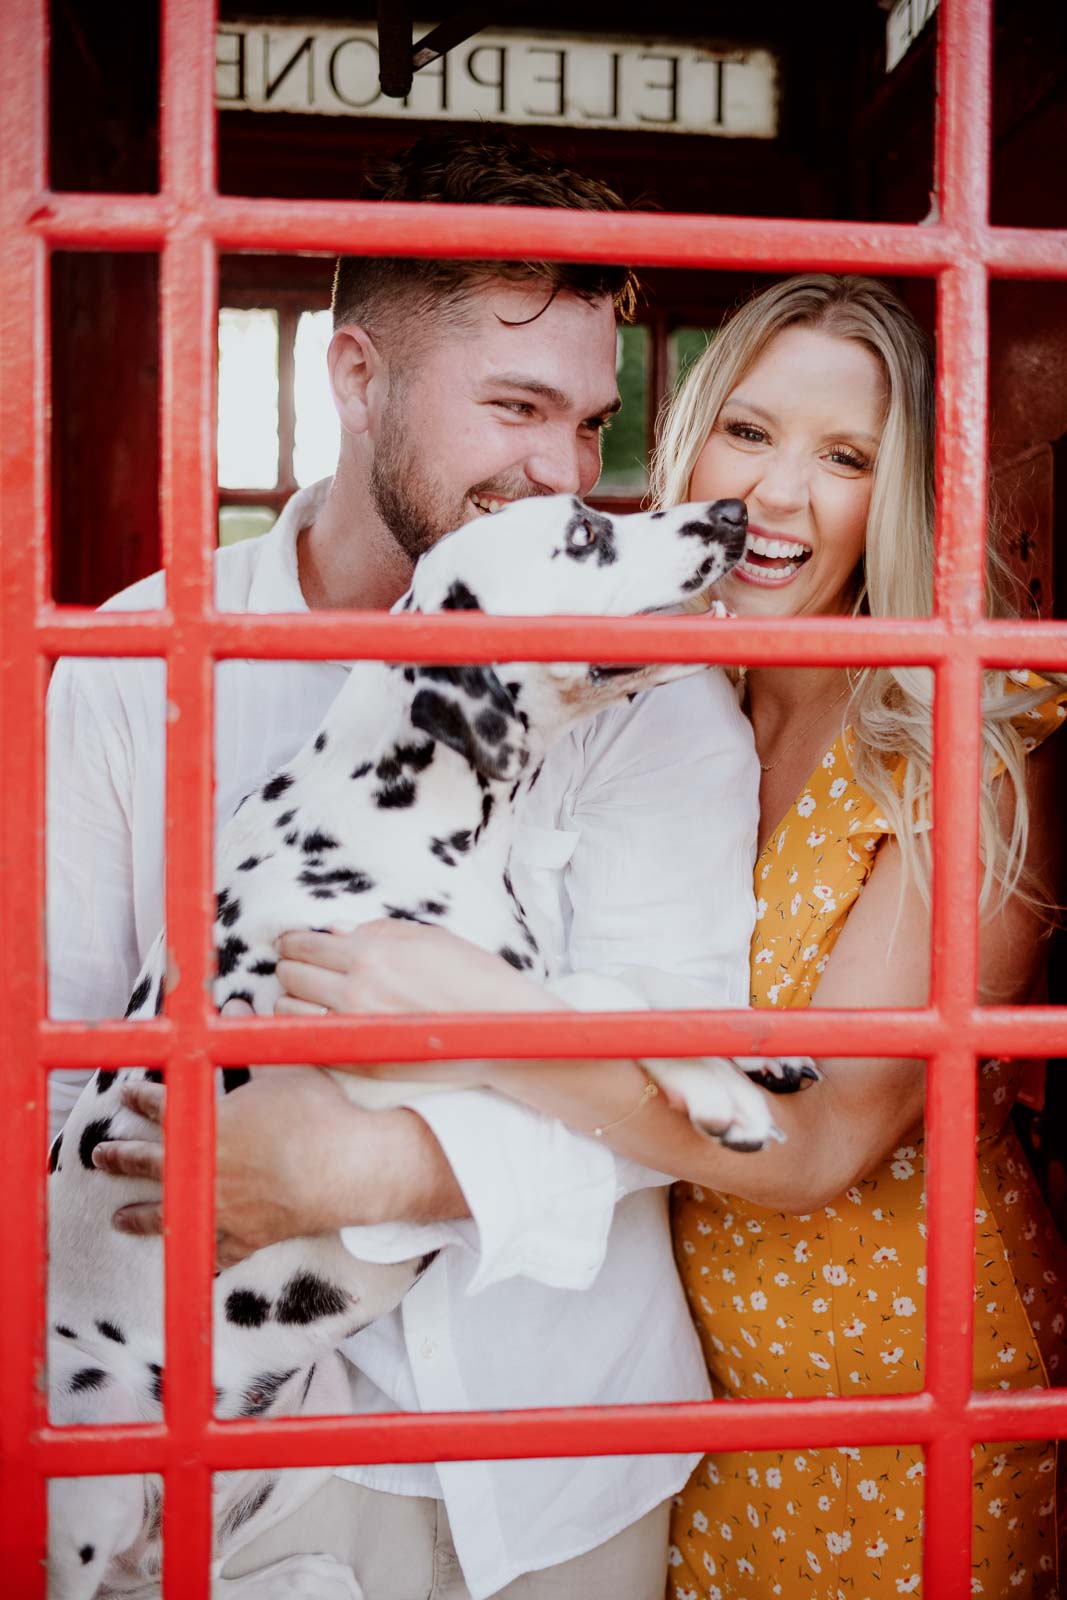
634, 852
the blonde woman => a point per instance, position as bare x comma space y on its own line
805, 1263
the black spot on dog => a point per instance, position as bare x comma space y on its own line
657, 514
275, 787
248, 863
307, 1298
104, 1080
64, 1331
487, 808
514, 689
457, 844
155, 1387
240, 994
396, 796
110, 1331
315, 842
93, 1133
307, 1386
601, 547
161, 992
284, 820
262, 1391
409, 674
399, 914
320, 742
246, 1309
362, 770
153, 1075
521, 963
292, 838
388, 769
87, 1378
86, 1554
229, 953
433, 908
235, 1078
264, 968
536, 774
53, 1154
417, 757
346, 879
139, 995
491, 725
460, 598
227, 910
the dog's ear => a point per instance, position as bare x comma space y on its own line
469, 709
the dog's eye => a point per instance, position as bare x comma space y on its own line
580, 536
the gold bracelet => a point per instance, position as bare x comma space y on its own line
649, 1092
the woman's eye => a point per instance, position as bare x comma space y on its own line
745, 430
517, 408
849, 458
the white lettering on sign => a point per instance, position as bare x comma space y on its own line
504, 77
903, 26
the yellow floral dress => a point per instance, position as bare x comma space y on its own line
833, 1303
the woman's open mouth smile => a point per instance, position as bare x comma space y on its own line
770, 562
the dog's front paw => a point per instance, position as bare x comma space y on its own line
720, 1100
295, 1578
780, 1074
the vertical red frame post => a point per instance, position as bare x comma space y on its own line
189, 222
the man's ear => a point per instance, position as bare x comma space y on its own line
357, 373
469, 709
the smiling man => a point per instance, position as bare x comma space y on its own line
460, 387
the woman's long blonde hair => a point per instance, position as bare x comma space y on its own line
890, 709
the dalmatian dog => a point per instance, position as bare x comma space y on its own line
400, 805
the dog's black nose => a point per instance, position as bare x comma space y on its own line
734, 511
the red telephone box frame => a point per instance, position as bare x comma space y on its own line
188, 222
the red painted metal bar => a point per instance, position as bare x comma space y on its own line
840, 641
189, 535
23, 577
645, 239
189, 221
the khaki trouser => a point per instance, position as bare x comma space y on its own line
400, 1548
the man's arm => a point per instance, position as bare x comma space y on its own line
92, 945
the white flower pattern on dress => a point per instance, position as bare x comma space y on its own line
858, 1270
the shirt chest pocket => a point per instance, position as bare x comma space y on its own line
539, 860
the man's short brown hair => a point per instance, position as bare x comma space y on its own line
491, 168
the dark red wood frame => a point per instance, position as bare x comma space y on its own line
189, 222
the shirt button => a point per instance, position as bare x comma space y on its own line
429, 1350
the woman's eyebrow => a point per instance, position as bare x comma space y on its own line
768, 416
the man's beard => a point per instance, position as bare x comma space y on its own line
416, 510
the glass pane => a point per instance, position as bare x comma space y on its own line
244, 522
684, 346
625, 469
318, 432
248, 399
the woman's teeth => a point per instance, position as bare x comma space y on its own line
771, 560
760, 546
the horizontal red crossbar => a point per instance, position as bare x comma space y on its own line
190, 223
374, 635
986, 1031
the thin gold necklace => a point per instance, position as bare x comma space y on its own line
769, 766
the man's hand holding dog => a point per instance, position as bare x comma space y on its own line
294, 1157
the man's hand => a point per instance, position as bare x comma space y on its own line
391, 965
294, 1157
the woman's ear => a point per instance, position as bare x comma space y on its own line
357, 372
